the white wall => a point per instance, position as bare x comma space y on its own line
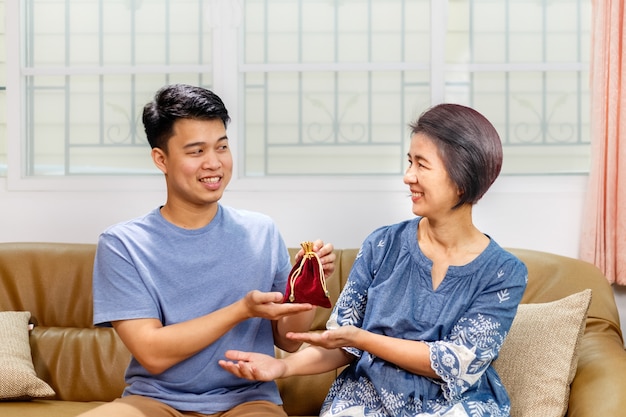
536, 212
541, 213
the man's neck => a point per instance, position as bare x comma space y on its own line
189, 217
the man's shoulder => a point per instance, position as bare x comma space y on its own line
246, 216
132, 225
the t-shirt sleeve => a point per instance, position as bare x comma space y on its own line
283, 264
119, 293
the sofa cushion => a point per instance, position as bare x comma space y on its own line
18, 380
538, 359
80, 364
51, 280
45, 408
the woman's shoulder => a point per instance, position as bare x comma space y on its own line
504, 258
390, 238
495, 249
395, 230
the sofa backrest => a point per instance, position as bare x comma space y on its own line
53, 281
552, 277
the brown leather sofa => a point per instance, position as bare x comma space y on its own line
85, 365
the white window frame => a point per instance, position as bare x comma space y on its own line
227, 81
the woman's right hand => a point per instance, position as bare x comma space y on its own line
342, 336
253, 366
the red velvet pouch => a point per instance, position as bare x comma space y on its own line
306, 283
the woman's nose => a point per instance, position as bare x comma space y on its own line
410, 178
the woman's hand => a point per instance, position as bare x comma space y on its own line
344, 336
253, 366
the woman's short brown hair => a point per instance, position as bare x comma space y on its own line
468, 144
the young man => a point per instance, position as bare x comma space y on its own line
193, 278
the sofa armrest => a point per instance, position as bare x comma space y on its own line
601, 374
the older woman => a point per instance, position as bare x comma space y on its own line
429, 301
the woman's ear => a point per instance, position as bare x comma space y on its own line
160, 159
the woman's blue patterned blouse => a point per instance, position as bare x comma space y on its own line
464, 322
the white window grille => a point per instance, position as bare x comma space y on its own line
315, 87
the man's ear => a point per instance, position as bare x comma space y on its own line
160, 159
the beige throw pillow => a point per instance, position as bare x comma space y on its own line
538, 359
18, 380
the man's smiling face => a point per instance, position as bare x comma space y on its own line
197, 164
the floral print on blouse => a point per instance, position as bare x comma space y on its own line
464, 322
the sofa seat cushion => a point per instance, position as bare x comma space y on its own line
18, 379
47, 408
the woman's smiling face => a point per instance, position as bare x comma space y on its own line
432, 191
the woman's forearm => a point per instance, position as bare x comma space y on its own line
410, 355
315, 360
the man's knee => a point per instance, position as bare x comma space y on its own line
133, 406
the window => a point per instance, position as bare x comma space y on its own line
87, 69
315, 87
526, 68
330, 86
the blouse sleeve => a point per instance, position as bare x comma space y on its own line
350, 307
476, 338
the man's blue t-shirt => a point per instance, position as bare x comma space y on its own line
150, 268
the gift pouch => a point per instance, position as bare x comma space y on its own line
306, 283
